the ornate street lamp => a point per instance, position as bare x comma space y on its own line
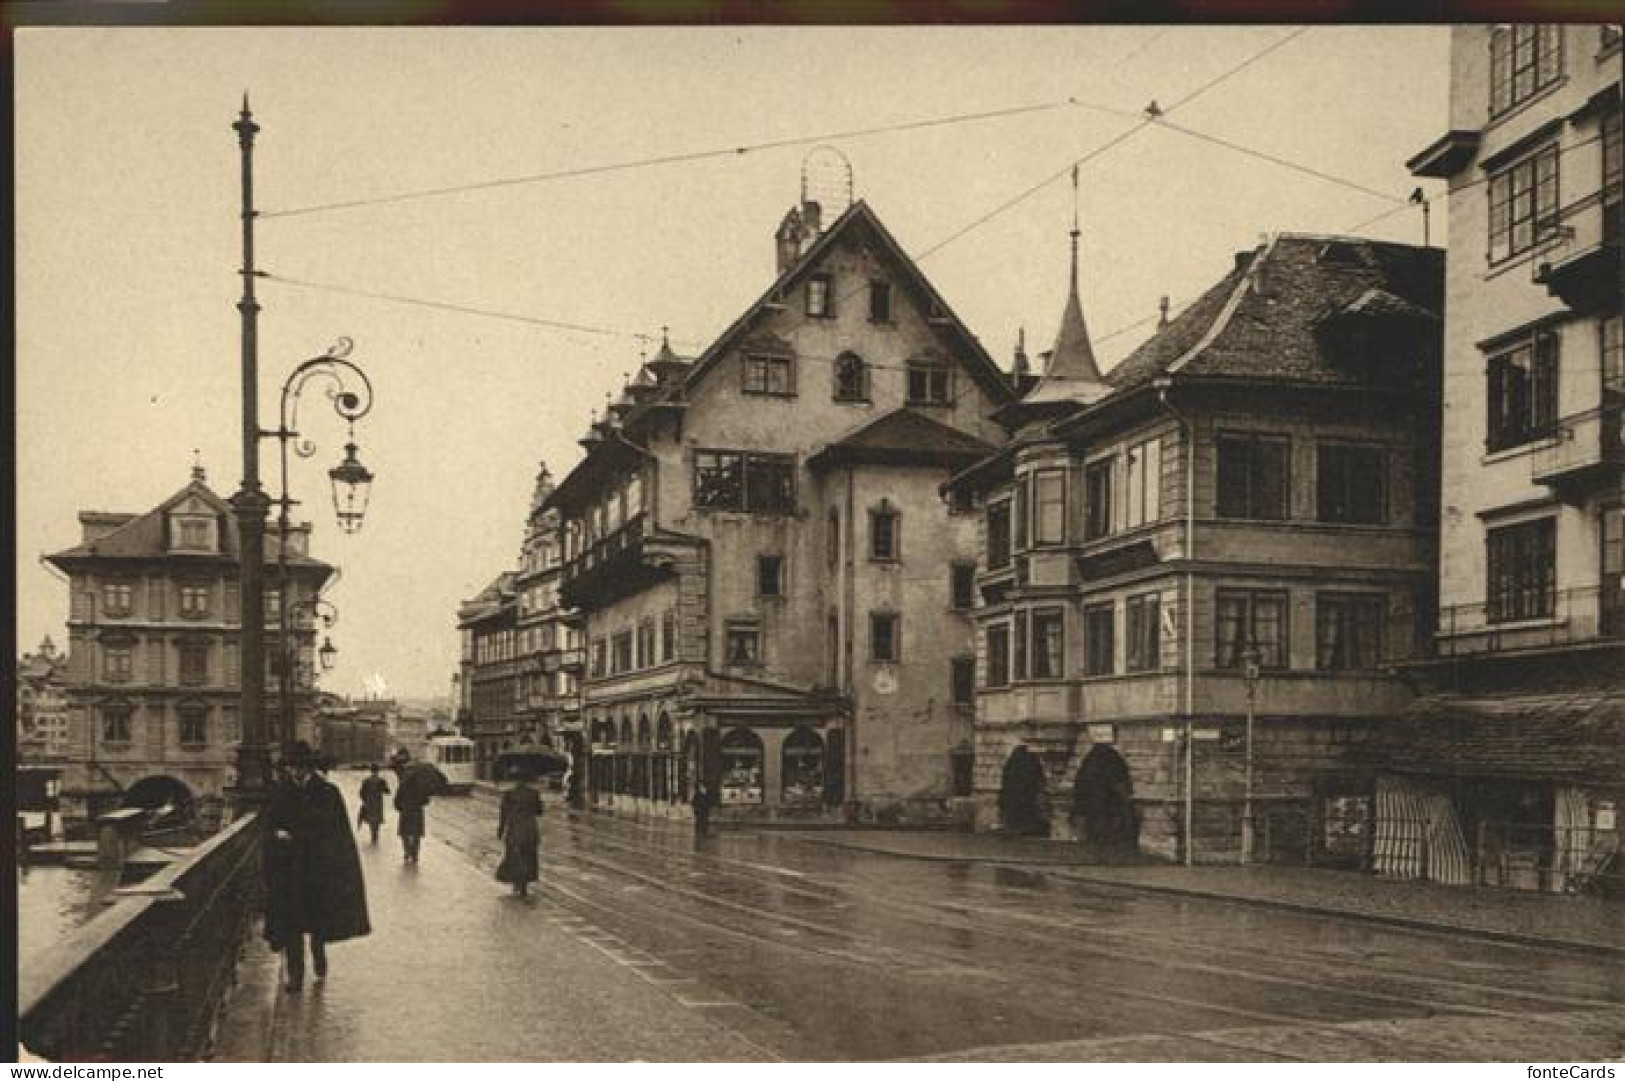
327, 654
352, 487
350, 391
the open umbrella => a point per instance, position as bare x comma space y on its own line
420, 782
534, 762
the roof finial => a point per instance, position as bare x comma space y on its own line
665, 336
1075, 230
198, 476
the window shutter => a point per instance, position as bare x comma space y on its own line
1500, 68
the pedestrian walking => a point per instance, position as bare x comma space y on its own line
373, 791
409, 805
313, 883
519, 827
701, 803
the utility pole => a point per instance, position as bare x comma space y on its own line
251, 506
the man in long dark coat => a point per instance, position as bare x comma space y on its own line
313, 882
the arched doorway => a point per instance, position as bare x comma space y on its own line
1023, 797
1103, 806
802, 769
152, 793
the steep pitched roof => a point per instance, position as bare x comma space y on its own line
1072, 374
143, 536
902, 437
859, 217
1264, 319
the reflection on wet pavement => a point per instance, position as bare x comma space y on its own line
814, 952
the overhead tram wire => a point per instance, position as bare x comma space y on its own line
1121, 137
691, 156
1145, 121
735, 151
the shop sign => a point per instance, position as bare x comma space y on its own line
1206, 733
1103, 733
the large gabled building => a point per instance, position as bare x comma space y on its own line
153, 656
773, 594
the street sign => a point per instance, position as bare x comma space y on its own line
1206, 733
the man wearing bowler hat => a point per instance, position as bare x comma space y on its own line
313, 883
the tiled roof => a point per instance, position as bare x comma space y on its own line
1575, 735
141, 536
904, 436
1263, 319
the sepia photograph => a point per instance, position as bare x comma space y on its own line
781, 544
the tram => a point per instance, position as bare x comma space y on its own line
453, 756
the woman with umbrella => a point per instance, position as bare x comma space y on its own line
519, 827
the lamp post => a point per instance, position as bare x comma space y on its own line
350, 391
250, 507
250, 504
293, 673
1251, 672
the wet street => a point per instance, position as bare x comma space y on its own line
767, 946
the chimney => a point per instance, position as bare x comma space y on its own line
812, 218
1162, 312
788, 239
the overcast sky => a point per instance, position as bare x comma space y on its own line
128, 238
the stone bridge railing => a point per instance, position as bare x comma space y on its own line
144, 980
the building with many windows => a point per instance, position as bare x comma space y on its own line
152, 670
1512, 770
488, 624
42, 704
1198, 568
772, 592
550, 653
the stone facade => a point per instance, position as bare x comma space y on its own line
1149, 532
153, 662
760, 556
42, 704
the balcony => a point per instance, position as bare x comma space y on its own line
612, 567
1581, 264
1571, 617
1586, 452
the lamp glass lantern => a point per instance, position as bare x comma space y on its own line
327, 654
352, 487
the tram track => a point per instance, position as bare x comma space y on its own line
1049, 916
680, 862
1501, 1000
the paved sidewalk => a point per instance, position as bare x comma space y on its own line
456, 970
1579, 922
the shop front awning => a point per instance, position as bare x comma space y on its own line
1575, 736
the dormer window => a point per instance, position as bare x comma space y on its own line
820, 297
192, 534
